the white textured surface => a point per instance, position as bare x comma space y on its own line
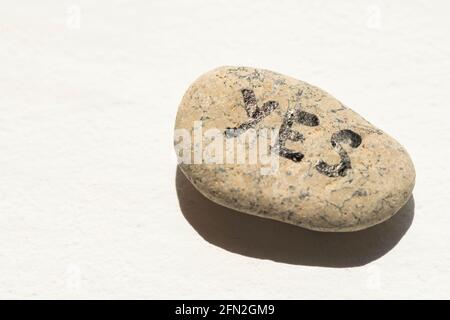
88, 96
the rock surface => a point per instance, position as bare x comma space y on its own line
328, 169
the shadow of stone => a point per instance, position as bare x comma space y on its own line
269, 239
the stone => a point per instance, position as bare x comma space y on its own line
269, 145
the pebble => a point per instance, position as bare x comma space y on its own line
276, 147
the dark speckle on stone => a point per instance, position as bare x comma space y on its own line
360, 193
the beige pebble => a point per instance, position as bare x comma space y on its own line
269, 145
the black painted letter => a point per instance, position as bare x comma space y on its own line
255, 113
286, 133
340, 169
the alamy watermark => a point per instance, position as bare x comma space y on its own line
214, 146
73, 17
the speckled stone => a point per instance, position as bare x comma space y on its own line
337, 172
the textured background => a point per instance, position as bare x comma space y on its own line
89, 206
